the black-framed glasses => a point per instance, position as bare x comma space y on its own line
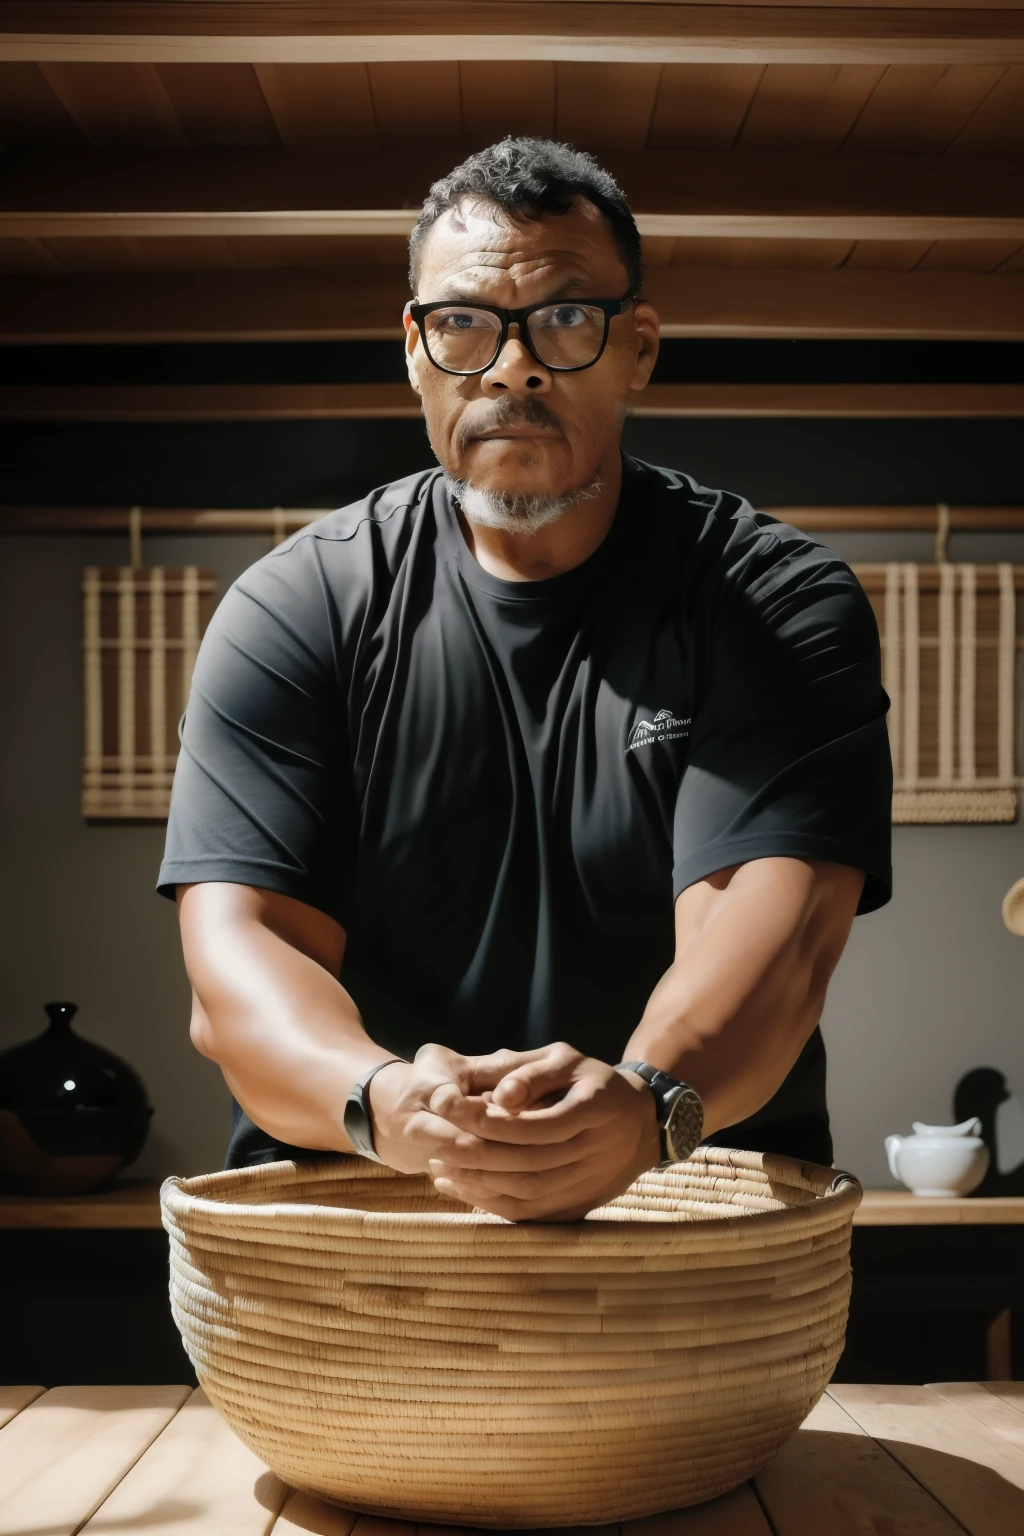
565, 336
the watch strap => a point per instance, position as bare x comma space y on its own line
687, 1125
358, 1121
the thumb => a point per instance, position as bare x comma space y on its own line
527, 1085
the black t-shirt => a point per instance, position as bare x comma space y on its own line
499, 787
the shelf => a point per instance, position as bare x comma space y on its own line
137, 1204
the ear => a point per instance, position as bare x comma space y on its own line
412, 337
648, 332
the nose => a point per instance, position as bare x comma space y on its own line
516, 369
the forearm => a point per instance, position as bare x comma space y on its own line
284, 1031
747, 987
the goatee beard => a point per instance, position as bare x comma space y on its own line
514, 512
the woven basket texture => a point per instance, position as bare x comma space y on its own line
406, 1357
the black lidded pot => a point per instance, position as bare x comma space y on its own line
72, 1114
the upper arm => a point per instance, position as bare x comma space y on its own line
789, 756
263, 793
214, 919
798, 906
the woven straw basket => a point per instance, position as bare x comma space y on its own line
403, 1356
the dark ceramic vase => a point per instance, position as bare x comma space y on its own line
72, 1115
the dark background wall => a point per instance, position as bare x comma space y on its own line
928, 987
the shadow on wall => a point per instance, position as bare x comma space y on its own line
983, 1092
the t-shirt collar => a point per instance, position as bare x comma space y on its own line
549, 588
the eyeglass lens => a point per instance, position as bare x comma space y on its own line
465, 339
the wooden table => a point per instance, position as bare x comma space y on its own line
869, 1461
136, 1204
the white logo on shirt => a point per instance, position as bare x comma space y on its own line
664, 727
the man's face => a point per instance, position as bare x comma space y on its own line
521, 429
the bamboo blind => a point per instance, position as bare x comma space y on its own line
951, 668
141, 628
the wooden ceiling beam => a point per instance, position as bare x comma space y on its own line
335, 402
28, 519
365, 303
678, 193
347, 31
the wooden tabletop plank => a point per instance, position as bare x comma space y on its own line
997, 1415
735, 1514
14, 1399
976, 1475
376, 1525
832, 1477
197, 1479
62, 1455
899, 1208
1011, 1392
303, 1515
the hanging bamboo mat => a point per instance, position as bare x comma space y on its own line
141, 628
951, 641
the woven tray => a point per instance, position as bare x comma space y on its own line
403, 1356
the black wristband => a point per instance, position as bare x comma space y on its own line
358, 1121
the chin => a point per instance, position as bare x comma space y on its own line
505, 469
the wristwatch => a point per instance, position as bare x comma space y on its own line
358, 1122
679, 1109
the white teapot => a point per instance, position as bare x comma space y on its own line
939, 1159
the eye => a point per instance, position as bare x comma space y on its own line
567, 315
452, 320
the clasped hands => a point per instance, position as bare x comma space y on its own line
543, 1135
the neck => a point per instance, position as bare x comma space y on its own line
552, 550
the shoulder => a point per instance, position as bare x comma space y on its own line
317, 586
343, 549
736, 561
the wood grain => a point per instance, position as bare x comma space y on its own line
208, 31
899, 1208
977, 1476
198, 1479
982, 1402
764, 195
832, 1477
335, 402
735, 1514
65, 1453
366, 302
304, 1515
128, 1205
14, 1399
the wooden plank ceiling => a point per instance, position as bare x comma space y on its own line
850, 193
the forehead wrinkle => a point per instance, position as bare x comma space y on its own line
484, 268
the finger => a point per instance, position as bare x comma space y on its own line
569, 1205
549, 1185
572, 1115
440, 1138
486, 1072
549, 1072
482, 1156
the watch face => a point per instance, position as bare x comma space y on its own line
684, 1124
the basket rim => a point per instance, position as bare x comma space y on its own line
829, 1186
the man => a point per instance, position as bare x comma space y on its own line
524, 808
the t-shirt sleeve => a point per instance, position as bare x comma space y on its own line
263, 790
789, 751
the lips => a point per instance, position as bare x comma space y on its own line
506, 432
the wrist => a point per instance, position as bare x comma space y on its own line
359, 1123
383, 1091
678, 1109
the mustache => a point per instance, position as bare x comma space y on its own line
509, 411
